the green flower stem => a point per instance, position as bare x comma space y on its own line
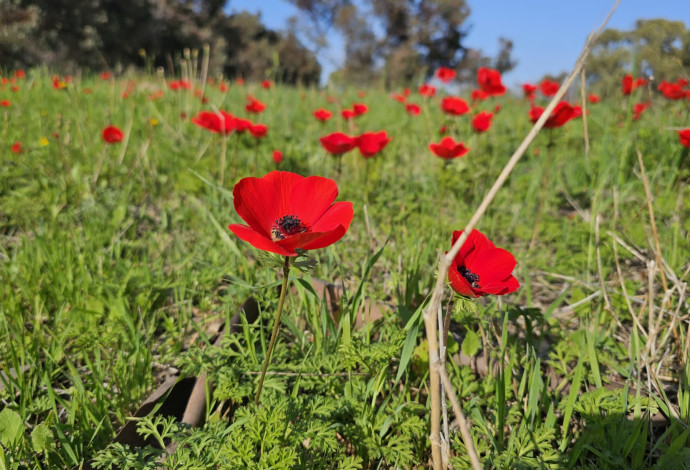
276, 324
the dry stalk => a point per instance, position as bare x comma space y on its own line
445, 262
584, 115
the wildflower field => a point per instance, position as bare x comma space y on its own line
147, 237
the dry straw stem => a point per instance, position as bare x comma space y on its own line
445, 261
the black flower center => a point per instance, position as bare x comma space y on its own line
287, 226
472, 278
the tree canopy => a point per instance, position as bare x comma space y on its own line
105, 34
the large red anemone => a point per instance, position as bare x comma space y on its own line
480, 268
285, 212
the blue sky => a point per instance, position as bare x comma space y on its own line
547, 35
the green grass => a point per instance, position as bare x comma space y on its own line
104, 286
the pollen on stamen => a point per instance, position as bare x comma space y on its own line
472, 278
287, 226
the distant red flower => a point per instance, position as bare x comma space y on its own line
562, 113
479, 95
684, 136
59, 84
20, 73
548, 87
629, 84
480, 268
223, 87
155, 95
338, 143
482, 121
413, 109
489, 80
427, 90
398, 97
592, 98
361, 93
277, 156
17, 147
180, 85
322, 115
112, 135
638, 109
360, 108
407, 91
285, 212
239, 81
672, 91
348, 114
266, 84
443, 130
258, 130
454, 106
14, 89
448, 148
254, 105
5, 103
371, 143
445, 74
529, 90
106, 76
209, 120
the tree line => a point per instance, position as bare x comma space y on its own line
387, 42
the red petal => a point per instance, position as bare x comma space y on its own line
491, 265
459, 283
284, 183
256, 201
310, 198
340, 213
257, 240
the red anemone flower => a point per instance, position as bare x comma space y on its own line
548, 87
480, 268
684, 136
17, 147
413, 109
208, 120
180, 85
672, 91
529, 90
482, 121
5, 103
448, 148
562, 113
348, 114
112, 135
398, 97
638, 109
426, 90
454, 106
322, 115
338, 143
479, 95
371, 143
445, 74
628, 84
254, 106
20, 73
266, 84
277, 156
489, 80
360, 108
285, 212
406, 92
258, 130
592, 98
